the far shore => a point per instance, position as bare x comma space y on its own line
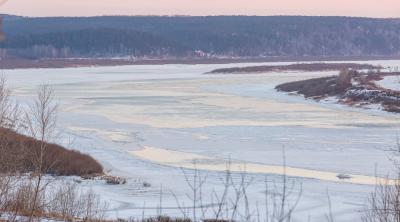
19, 63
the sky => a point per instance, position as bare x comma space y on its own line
359, 8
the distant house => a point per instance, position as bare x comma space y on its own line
200, 53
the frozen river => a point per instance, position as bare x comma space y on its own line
145, 122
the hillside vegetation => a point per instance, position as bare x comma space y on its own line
219, 36
18, 153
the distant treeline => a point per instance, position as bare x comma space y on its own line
230, 36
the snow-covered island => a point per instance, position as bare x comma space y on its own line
351, 87
305, 67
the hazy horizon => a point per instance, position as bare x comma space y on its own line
357, 8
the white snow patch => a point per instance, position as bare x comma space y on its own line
195, 161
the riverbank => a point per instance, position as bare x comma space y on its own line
21, 63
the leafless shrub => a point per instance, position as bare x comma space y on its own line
17, 201
280, 203
195, 185
70, 203
344, 80
6, 185
384, 204
26, 198
232, 203
62, 201
9, 111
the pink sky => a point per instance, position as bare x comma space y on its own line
365, 8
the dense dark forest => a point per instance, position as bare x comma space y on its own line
220, 36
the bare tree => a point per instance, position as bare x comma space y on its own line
41, 123
9, 110
9, 158
383, 204
232, 203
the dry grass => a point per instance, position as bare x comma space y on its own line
64, 202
